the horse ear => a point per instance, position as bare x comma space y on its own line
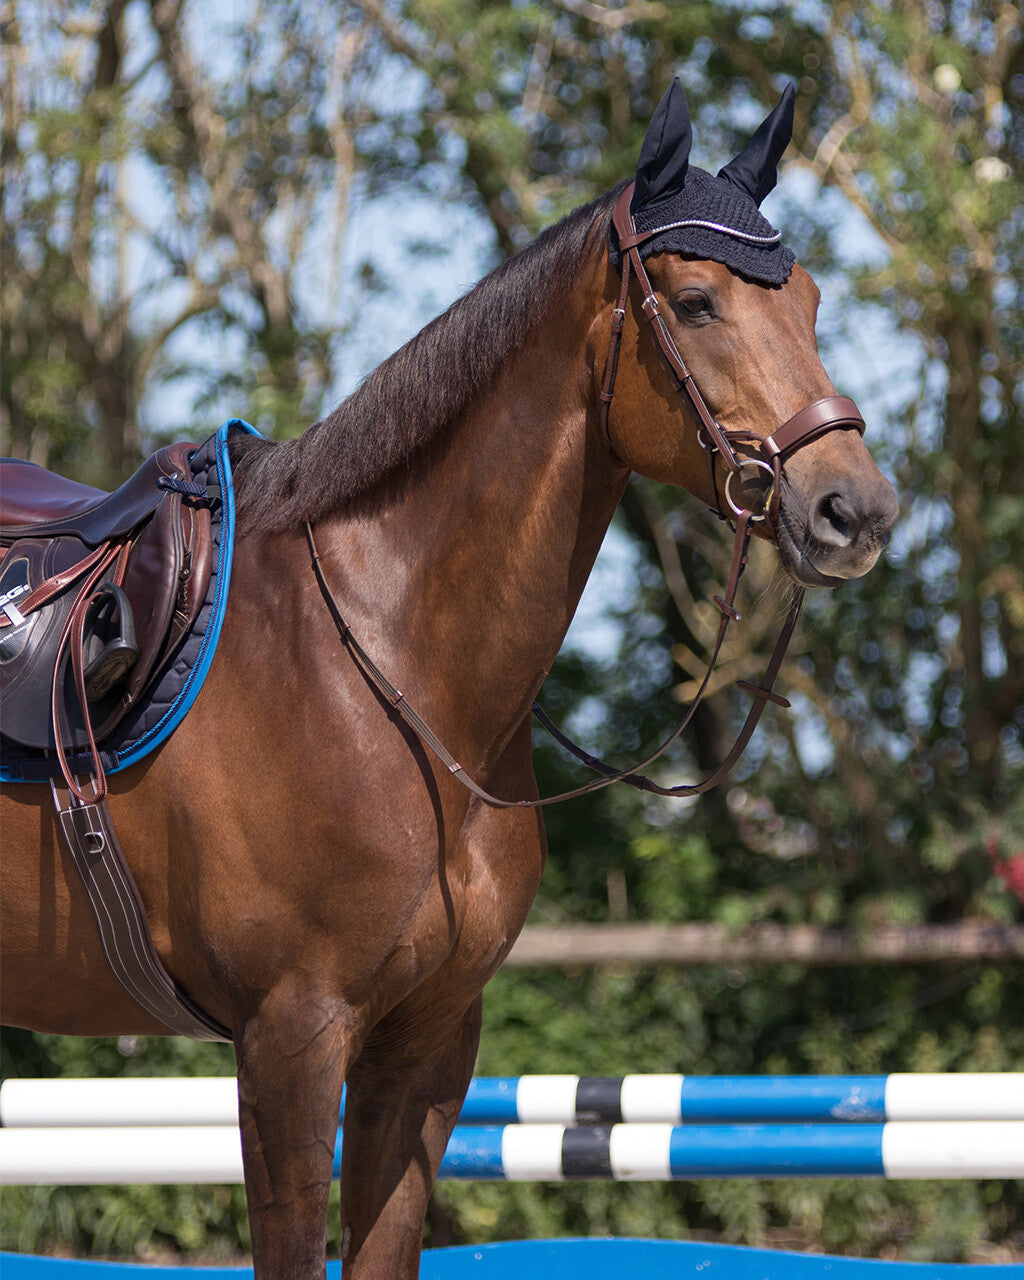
665, 154
755, 169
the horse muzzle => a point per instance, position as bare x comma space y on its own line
837, 526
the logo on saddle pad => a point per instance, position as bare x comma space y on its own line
7, 600
14, 583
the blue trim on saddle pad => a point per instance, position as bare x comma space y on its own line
172, 697
153, 737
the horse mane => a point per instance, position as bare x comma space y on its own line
412, 395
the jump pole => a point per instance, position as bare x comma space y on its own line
551, 1152
559, 1099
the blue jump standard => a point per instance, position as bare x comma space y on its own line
601, 1259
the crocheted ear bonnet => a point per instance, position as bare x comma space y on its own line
710, 216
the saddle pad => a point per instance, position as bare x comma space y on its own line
155, 718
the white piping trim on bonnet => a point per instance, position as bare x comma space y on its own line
718, 226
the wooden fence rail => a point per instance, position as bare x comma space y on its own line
763, 944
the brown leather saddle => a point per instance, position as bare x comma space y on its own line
97, 591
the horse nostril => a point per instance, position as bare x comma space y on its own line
848, 523
835, 521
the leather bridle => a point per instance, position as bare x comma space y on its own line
734, 450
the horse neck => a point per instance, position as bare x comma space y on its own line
463, 574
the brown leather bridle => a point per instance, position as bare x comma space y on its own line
736, 450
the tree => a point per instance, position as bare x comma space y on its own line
160, 203
925, 140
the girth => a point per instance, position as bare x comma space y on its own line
120, 916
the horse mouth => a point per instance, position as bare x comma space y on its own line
799, 561
805, 574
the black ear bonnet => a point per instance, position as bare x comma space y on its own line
706, 216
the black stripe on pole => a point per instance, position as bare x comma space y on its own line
586, 1152
599, 1100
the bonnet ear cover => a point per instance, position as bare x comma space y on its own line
665, 154
686, 210
755, 169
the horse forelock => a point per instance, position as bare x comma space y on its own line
414, 394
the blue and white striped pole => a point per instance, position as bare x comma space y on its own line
659, 1152
561, 1099
674, 1099
551, 1152
681, 1099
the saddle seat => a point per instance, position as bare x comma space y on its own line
37, 502
97, 592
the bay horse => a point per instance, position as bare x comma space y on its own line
314, 877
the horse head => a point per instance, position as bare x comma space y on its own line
733, 316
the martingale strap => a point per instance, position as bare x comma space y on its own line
762, 694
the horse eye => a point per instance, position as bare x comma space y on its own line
694, 304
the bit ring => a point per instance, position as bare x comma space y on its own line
750, 462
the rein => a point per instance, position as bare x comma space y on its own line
761, 693
737, 449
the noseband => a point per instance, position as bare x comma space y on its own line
737, 449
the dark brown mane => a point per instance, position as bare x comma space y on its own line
413, 394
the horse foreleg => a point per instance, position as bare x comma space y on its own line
404, 1097
291, 1061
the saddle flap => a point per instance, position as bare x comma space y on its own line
28, 648
166, 581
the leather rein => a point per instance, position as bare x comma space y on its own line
735, 450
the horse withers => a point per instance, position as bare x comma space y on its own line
314, 877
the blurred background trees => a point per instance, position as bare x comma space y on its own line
206, 217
